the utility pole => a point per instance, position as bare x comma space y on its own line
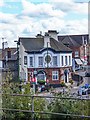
47, 55
35, 73
47, 59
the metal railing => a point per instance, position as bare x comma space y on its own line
51, 98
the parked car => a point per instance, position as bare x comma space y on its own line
87, 74
84, 90
44, 88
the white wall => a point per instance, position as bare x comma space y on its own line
65, 54
35, 57
0, 64
23, 68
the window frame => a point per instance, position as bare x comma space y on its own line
69, 60
25, 60
31, 61
55, 75
55, 61
66, 60
40, 61
75, 54
62, 60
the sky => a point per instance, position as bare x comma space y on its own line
26, 18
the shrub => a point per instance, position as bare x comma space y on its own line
71, 81
62, 84
41, 82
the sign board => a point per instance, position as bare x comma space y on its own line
33, 80
47, 81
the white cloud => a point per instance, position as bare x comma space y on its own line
75, 27
1, 3
81, 8
42, 17
65, 1
71, 7
40, 10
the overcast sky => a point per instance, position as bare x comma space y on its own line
29, 17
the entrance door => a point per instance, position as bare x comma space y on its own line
41, 77
66, 76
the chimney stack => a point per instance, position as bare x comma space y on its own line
46, 40
53, 34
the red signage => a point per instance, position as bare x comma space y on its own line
33, 79
47, 81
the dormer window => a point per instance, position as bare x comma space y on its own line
76, 53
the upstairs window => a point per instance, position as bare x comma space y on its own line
54, 60
40, 61
69, 60
31, 61
25, 60
76, 53
55, 75
62, 62
66, 62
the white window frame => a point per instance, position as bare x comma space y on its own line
55, 75
54, 60
40, 61
69, 60
25, 60
66, 60
62, 60
76, 53
31, 62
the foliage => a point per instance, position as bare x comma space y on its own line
69, 106
62, 84
41, 82
71, 81
66, 106
19, 102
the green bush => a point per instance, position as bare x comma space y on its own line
71, 81
41, 82
62, 84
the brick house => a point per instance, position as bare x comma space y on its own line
9, 61
79, 46
44, 58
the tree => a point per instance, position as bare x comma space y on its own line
19, 102
69, 106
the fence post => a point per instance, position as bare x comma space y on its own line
32, 107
